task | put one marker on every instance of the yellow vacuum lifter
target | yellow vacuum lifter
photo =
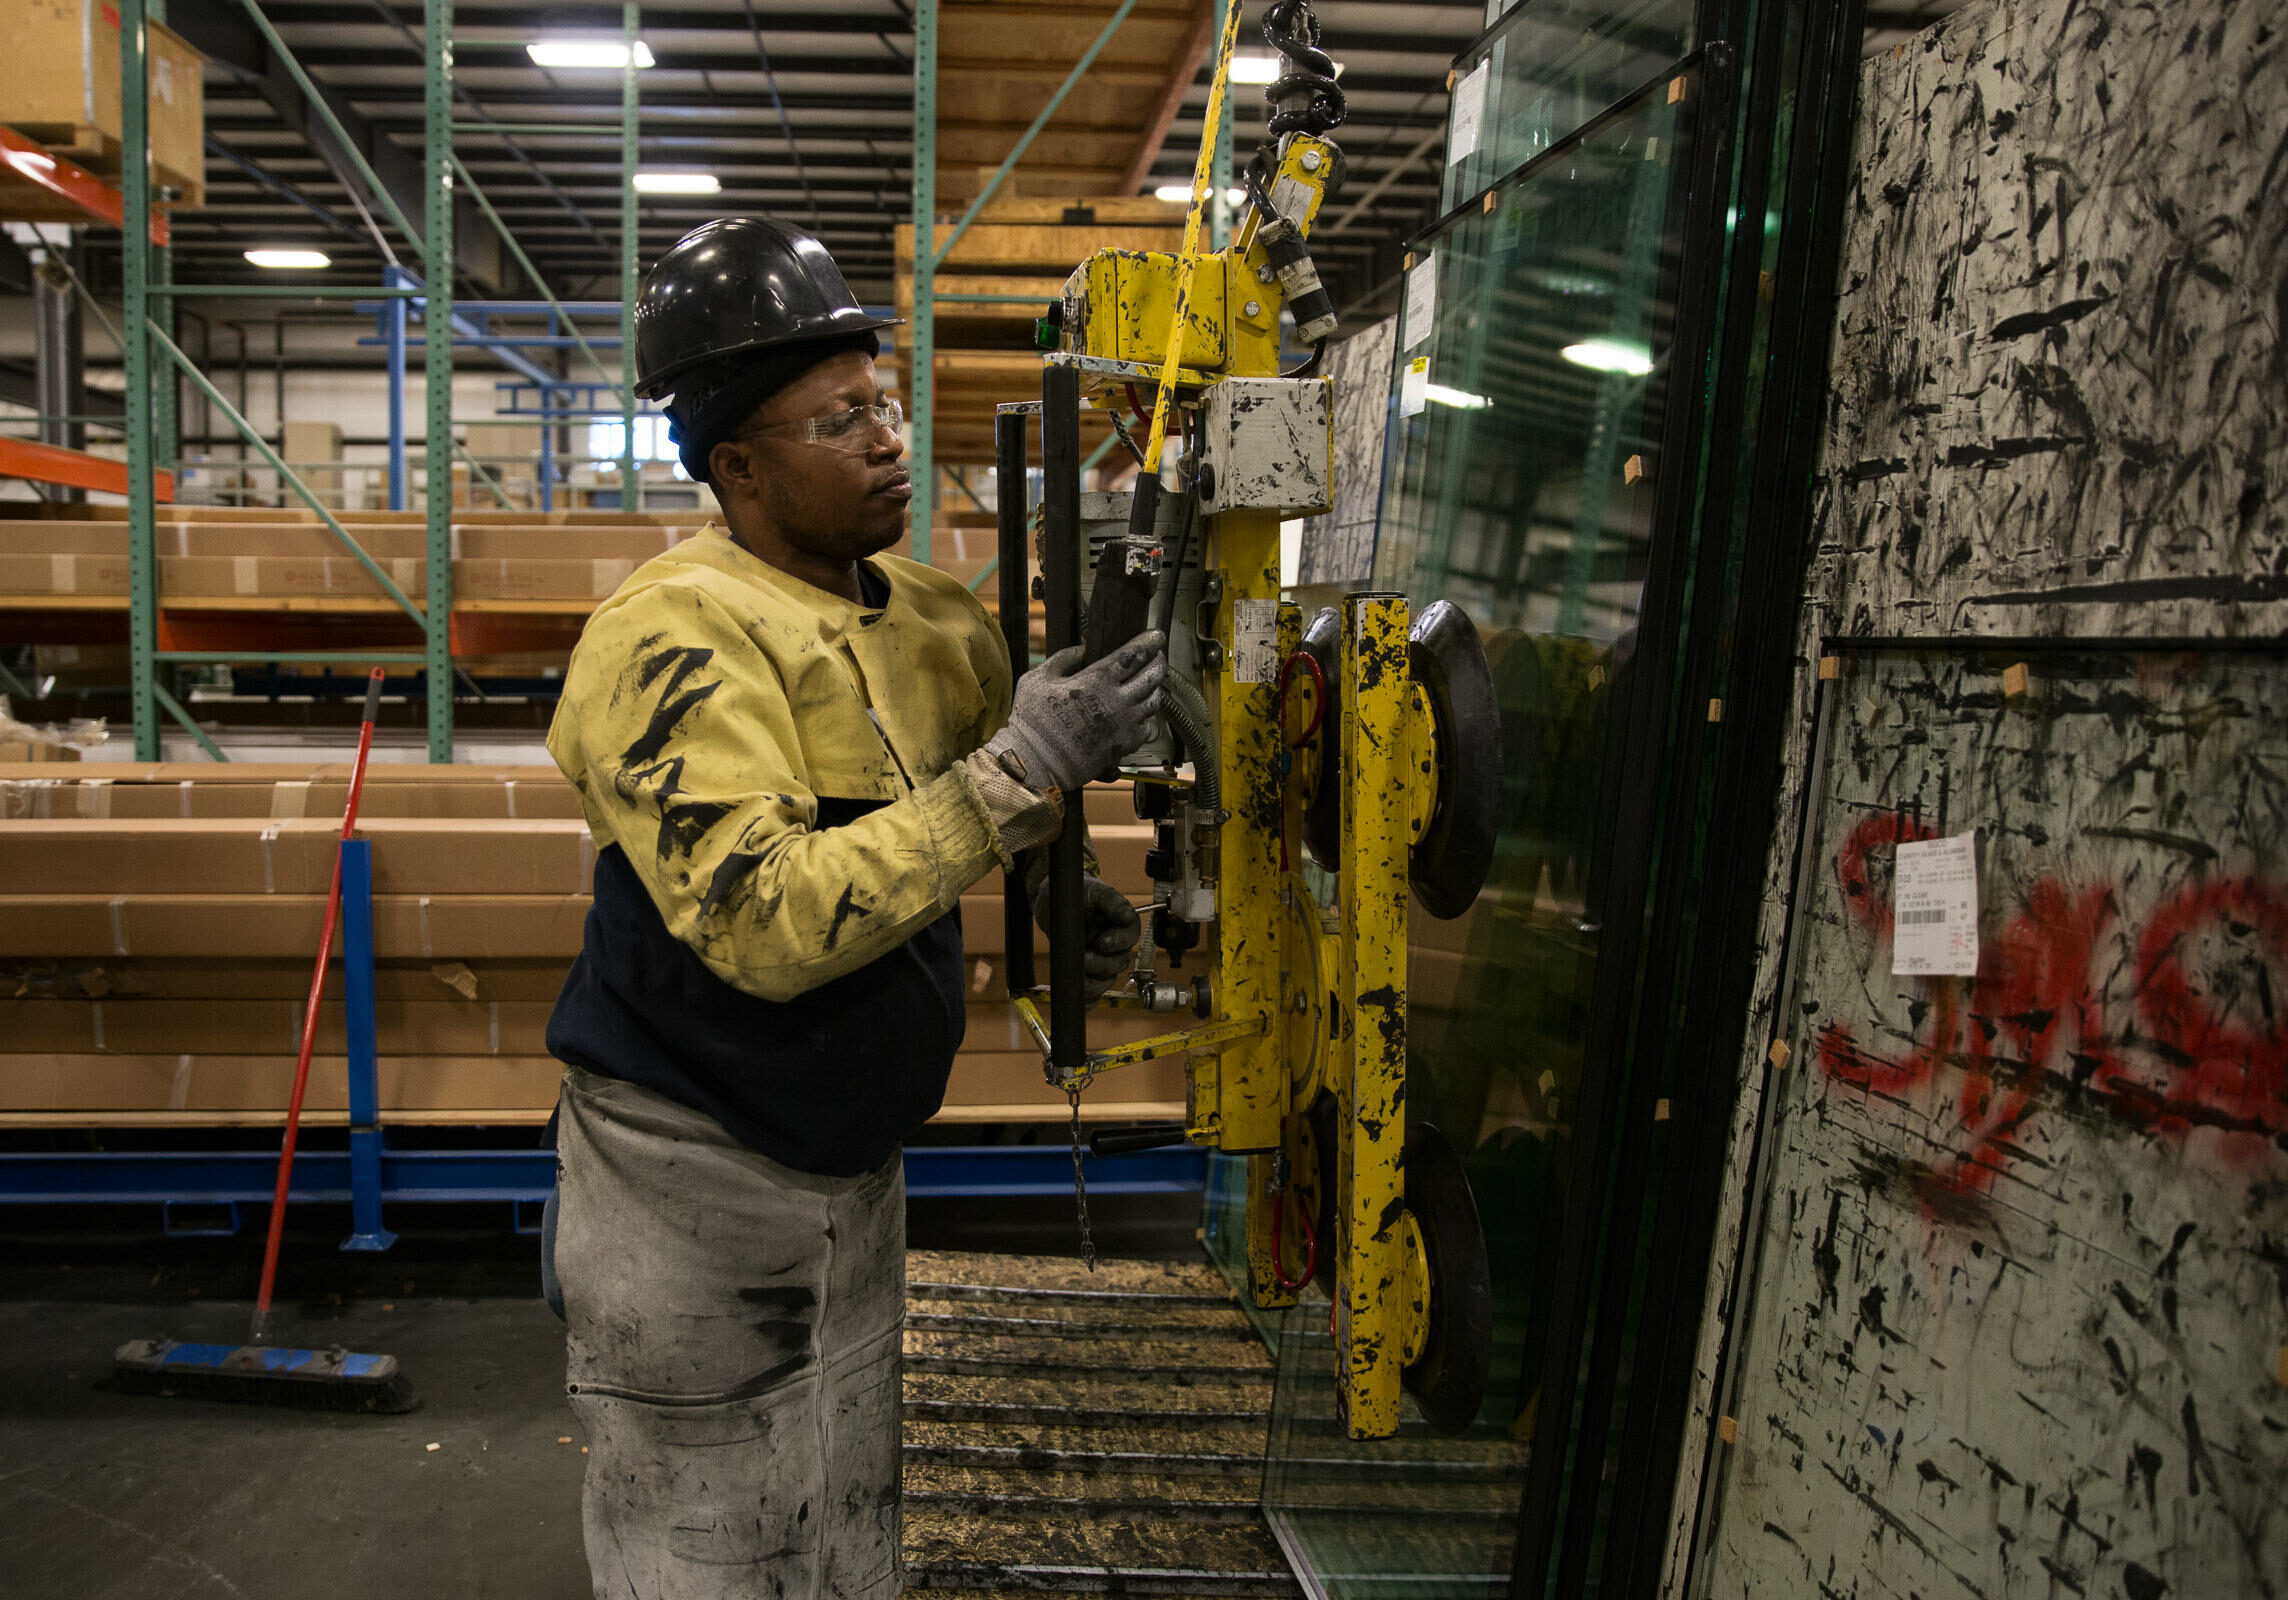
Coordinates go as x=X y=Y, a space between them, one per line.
x=1371 y=736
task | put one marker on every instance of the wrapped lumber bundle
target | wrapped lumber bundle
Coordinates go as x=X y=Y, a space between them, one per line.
x=157 y=923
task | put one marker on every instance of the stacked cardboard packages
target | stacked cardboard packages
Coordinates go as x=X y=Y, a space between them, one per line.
x=157 y=924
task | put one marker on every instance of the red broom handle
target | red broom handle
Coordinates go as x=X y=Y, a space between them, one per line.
x=310 y=1011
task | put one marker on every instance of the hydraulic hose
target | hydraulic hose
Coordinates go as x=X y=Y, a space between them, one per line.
x=1181 y=699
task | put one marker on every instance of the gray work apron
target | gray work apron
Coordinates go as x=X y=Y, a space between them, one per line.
x=734 y=1344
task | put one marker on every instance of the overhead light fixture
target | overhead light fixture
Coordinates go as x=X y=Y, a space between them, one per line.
x=290 y=258
x=1180 y=194
x=1254 y=69
x=601 y=54
x=678 y=183
x=1610 y=355
x=1459 y=399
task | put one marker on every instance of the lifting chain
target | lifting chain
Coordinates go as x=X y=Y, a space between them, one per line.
x=1080 y=1183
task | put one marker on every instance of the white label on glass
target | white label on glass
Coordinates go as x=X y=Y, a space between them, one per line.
x=1254 y=641
x=1934 y=918
x=1469 y=112
x=1414 y=387
x=1421 y=302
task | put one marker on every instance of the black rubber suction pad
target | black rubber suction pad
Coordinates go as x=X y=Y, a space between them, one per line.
x=1323 y=817
x=1456 y=851
x=1448 y=1380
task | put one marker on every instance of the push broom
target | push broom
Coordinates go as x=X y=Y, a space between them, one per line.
x=326 y=1380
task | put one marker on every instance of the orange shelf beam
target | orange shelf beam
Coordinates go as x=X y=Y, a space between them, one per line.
x=37 y=185
x=52 y=463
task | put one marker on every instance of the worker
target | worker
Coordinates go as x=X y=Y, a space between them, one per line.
x=794 y=752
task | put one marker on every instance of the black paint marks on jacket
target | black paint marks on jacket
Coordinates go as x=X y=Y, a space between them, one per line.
x=676 y=665
x=682 y=823
x=844 y=909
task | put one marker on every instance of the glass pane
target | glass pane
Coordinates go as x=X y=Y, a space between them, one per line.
x=2104 y=1060
x=1552 y=66
x=1528 y=409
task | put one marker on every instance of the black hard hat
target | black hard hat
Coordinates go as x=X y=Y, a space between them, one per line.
x=735 y=286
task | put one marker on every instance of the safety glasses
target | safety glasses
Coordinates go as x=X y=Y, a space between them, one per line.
x=851 y=430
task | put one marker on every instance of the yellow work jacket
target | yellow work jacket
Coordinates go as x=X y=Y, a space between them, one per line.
x=784 y=827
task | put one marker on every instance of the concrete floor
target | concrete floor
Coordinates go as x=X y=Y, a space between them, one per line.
x=106 y=1496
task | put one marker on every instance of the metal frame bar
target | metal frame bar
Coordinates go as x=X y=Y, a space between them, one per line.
x=174 y=708
x=921 y=340
x=437 y=369
x=631 y=480
x=135 y=364
x=366 y=1230
x=243 y=1177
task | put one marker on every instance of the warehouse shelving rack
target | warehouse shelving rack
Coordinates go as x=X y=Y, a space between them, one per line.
x=921 y=375
x=149 y=296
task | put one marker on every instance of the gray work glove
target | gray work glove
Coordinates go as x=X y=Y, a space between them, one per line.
x=1070 y=723
x=1110 y=930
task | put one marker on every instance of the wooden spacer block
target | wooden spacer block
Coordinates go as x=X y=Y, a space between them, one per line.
x=1548 y=1084
x=2014 y=678
x=1830 y=668
x=1676 y=88
x=1660 y=1110
x=1453 y=75
x=1409 y=261
x=1492 y=200
x=1727 y=1430
x=1778 y=1054
x=1715 y=711
x=1632 y=469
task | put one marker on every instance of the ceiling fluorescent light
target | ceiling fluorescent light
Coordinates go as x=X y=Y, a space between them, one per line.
x=678 y=183
x=1180 y=194
x=1254 y=69
x=608 y=54
x=1458 y=399
x=290 y=258
x=1610 y=355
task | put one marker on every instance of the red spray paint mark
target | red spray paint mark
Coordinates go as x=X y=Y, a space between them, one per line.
x=2034 y=1015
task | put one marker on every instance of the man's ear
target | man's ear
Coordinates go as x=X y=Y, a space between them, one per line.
x=731 y=468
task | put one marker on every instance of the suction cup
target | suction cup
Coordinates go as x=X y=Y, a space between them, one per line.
x=1448 y=1380
x=1323 y=817
x=1456 y=851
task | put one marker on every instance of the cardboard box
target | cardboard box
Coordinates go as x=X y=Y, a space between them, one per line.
x=467 y=927
x=253 y=1027
x=93 y=798
x=252 y=855
x=256 y=1087
x=248 y=978
x=59 y=84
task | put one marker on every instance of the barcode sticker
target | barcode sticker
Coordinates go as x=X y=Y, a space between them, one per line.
x=1421 y=302
x=1934 y=926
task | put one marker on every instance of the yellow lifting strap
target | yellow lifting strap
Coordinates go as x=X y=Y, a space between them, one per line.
x=1202 y=168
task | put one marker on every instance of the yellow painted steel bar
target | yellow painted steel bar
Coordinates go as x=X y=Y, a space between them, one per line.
x=1379 y=1304
x=1202 y=171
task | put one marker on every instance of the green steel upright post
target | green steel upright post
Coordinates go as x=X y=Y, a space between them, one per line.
x=167 y=385
x=1220 y=164
x=631 y=483
x=135 y=355
x=437 y=371
x=921 y=341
